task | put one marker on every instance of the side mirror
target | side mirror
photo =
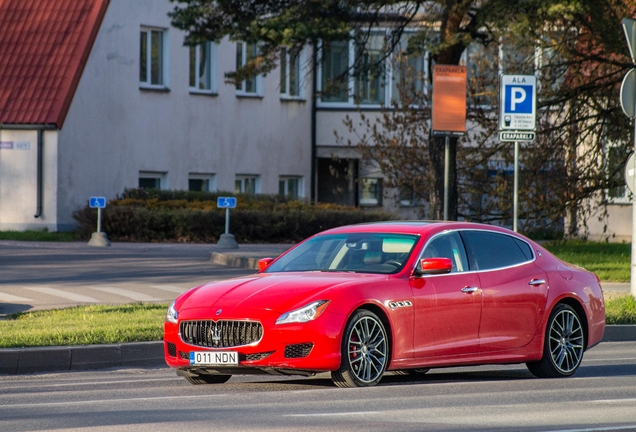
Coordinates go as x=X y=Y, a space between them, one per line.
x=265 y=262
x=434 y=266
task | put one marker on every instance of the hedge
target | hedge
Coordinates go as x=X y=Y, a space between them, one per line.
x=182 y=216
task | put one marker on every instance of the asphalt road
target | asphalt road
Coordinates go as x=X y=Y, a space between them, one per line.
x=600 y=397
x=40 y=275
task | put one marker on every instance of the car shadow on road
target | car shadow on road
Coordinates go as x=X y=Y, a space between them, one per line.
x=13 y=308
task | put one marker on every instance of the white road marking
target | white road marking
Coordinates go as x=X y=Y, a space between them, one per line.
x=125 y=293
x=170 y=288
x=8 y=298
x=333 y=414
x=64 y=294
x=102 y=401
x=596 y=429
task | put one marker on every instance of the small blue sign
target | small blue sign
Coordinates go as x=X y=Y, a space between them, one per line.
x=97 y=202
x=226 y=202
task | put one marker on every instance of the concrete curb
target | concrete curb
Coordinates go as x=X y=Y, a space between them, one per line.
x=87 y=357
x=80 y=357
x=234 y=260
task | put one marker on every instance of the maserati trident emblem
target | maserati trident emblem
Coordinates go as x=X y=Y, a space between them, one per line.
x=219 y=311
x=215 y=335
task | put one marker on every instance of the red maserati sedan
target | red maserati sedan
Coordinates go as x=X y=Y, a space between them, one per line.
x=361 y=300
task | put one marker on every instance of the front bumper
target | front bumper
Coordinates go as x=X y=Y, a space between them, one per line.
x=303 y=347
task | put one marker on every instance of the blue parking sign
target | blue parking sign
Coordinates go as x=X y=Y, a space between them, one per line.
x=97 y=202
x=226 y=202
x=518 y=102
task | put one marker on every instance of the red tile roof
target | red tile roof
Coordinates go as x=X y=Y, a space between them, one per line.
x=44 y=45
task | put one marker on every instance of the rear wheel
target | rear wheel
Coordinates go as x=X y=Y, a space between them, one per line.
x=563 y=346
x=207 y=379
x=365 y=351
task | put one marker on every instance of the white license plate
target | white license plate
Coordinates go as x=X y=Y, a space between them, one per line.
x=214 y=358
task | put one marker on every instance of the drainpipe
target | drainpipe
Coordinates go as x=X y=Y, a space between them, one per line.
x=314 y=96
x=39 y=179
x=40 y=128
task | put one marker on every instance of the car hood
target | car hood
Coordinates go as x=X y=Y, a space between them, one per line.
x=278 y=292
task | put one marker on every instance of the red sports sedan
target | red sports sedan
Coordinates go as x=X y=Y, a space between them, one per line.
x=396 y=296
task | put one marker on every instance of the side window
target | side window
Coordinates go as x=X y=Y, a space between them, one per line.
x=448 y=245
x=492 y=250
x=525 y=249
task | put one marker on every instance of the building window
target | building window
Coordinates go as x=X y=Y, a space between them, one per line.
x=247 y=184
x=406 y=196
x=408 y=75
x=290 y=77
x=616 y=160
x=359 y=72
x=244 y=53
x=202 y=68
x=291 y=187
x=370 y=192
x=152 y=70
x=202 y=182
x=335 y=72
x=153 y=180
x=369 y=71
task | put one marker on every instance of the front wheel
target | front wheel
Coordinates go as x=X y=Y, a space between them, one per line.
x=365 y=351
x=563 y=346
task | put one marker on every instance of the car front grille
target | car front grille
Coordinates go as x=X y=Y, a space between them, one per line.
x=184 y=355
x=298 y=350
x=258 y=356
x=220 y=334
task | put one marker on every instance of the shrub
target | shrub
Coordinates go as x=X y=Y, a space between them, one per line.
x=183 y=216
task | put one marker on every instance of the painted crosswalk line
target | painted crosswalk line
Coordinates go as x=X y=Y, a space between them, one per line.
x=8 y=298
x=170 y=288
x=65 y=294
x=125 y=293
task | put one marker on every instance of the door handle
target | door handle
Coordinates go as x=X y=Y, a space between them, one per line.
x=469 y=289
x=535 y=282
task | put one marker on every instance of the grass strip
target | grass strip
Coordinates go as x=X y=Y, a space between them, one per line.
x=610 y=261
x=84 y=325
x=620 y=310
x=44 y=236
x=139 y=322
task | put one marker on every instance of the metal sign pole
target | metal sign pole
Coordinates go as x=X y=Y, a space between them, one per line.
x=515 y=199
x=446 y=174
x=227 y=220
x=99 y=220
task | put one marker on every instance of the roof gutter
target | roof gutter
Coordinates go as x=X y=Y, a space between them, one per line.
x=40 y=158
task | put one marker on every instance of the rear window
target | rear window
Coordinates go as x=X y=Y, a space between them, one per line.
x=492 y=250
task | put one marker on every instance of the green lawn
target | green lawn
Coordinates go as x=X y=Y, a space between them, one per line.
x=610 y=261
x=85 y=325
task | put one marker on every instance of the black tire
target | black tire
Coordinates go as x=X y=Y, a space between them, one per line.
x=207 y=379
x=563 y=346
x=365 y=351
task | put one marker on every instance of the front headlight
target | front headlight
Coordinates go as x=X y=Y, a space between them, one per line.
x=304 y=314
x=172 y=315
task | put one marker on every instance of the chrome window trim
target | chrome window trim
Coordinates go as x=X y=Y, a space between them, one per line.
x=458 y=230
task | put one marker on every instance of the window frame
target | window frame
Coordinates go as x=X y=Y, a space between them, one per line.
x=208 y=179
x=285 y=179
x=379 y=192
x=160 y=176
x=163 y=62
x=211 y=49
x=258 y=79
x=626 y=198
x=286 y=75
x=243 y=178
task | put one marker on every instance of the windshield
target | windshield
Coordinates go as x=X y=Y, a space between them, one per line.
x=358 y=252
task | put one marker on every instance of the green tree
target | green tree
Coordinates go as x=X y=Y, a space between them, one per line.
x=580 y=63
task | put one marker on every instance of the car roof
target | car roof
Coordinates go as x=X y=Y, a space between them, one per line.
x=417 y=227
